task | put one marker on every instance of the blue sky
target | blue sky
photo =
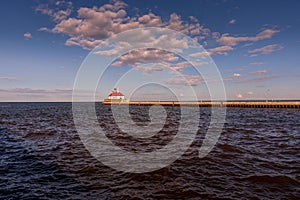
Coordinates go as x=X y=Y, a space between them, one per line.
x=254 y=44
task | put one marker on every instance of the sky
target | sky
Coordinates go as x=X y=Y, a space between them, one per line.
x=255 y=46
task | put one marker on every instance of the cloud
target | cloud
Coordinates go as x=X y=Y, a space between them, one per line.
x=58 y=11
x=215 y=35
x=250 y=93
x=180 y=66
x=257 y=63
x=192 y=80
x=259 y=79
x=160 y=66
x=145 y=56
x=232 y=41
x=27 y=35
x=221 y=50
x=193 y=19
x=267 y=49
x=232 y=21
x=239 y=96
x=44 y=29
x=91 y=25
x=36 y=91
x=144 y=38
x=237 y=75
x=150 y=68
x=35 y=94
x=261 y=72
x=8 y=79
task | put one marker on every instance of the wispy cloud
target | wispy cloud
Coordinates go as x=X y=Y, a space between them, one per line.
x=192 y=80
x=37 y=91
x=8 y=78
x=259 y=79
x=221 y=50
x=58 y=11
x=267 y=49
x=257 y=63
x=261 y=72
x=35 y=94
x=232 y=41
x=150 y=68
x=44 y=29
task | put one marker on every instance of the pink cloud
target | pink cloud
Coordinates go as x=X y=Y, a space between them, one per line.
x=232 y=41
x=267 y=49
x=259 y=79
x=145 y=56
x=37 y=91
x=237 y=75
x=261 y=72
x=180 y=66
x=59 y=11
x=239 y=96
x=215 y=35
x=222 y=50
x=192 y=80
x=44 y=29
x=148 y=69
x=8 y=79
x=92 y=25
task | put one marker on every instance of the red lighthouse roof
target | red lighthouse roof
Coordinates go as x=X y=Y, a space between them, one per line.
x=115 y=93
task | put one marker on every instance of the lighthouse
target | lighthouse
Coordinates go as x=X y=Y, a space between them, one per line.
x=116 y=95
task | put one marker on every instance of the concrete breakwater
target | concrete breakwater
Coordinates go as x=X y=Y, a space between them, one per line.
x=242 y=104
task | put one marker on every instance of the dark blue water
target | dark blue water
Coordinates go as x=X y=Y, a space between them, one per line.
x=42 y=156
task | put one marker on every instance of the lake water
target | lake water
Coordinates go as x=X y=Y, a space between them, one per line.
x=42 y=156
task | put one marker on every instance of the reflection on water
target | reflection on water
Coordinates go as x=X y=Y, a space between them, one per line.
x=257 y=156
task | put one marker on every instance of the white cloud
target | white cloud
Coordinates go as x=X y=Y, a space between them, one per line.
x=44 y=29
x=232 y=21
x=27 y=35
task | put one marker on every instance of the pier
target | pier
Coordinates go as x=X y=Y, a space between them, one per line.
x=241 y=104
